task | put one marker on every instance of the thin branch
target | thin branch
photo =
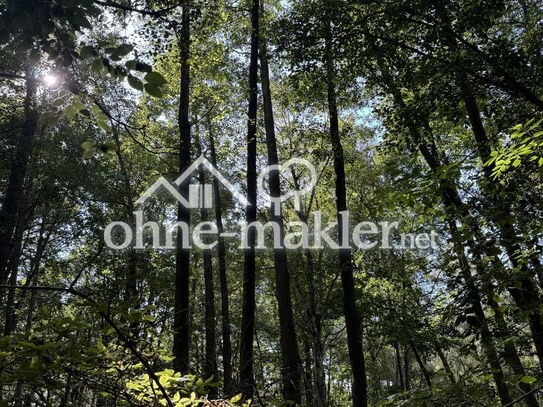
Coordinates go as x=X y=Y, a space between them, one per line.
x=87 y=264
x=523 y=396
x=9 y=75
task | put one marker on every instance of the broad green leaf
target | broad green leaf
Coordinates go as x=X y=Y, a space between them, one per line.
x=122 y=50
x=528 y=379
x=155 y=78
x=80 y=21
x=236 y=398
x=153 y=90
x=135 y=82
x=87 y=52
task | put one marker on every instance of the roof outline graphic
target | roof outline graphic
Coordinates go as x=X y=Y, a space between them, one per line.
x=201 y=160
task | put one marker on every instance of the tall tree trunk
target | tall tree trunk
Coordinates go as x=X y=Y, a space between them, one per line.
x=399 y=370
x=481 y=321
x=223 y=280
x=315 y=328
x=64 y=401
x=308 y=376
x=18 y=171
x=510 y=354
x=246 y=360
x=181 y=337
x=210 y=366
x=526 y=296
x=407 y=367
x=445 y=364
x=352 y=318
x=422 y=366
x=13 y=269
x=290 y=371
x=131 y=283
x=454 y=205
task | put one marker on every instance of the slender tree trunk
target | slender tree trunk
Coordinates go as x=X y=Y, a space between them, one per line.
x=526 y=296
x=246 y=360
x=308 y=376
x=422 y=366
x=19 y=169
x=480 y=319
x=131 y=284
x=445 y=364
x=289 y=345
x=181 y=337
x=210 y=366
x=223 y=280
x=315 y=328
x=453 y=204
x=64 y=401
x=352 y=318
x=13 y=268
x=510 y=354
x=399 y=370
x=407 y=367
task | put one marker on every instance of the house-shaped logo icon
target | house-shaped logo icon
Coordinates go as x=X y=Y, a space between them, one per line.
x=200 y=196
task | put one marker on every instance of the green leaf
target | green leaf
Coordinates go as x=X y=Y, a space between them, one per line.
x=528 y=379
x=143 y=67
x=122 y=50
x=97 y=66
x=155 y=78
x=100 y=345
x=135 y=82
x=87 y=52
x=153 y=90
x=70 y=112
x=80 y=21
x=131 y=65
x=101 y=122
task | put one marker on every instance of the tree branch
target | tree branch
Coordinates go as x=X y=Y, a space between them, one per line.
x=9 y=75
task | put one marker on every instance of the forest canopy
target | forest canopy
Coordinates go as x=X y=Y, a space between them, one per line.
x=313 y=203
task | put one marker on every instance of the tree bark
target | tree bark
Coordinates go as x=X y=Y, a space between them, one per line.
x=13 y=269
x=210 y=366
x=181 y=337
x=290 y=371
x=399 y=370
x=223 y=280
x=445 y=364
x=246 y=360
x=352 y=318
x=315 y=328
x=131 y=283
x=18 y=172
x=526 y=296
x=407 y=367
x=422 y=366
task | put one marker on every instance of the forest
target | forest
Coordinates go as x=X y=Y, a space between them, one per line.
x=312 y=203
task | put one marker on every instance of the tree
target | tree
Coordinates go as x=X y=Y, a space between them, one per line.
x=181 y=342
x=246 y=360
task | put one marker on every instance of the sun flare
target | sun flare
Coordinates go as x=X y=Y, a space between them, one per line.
x=50 y=80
